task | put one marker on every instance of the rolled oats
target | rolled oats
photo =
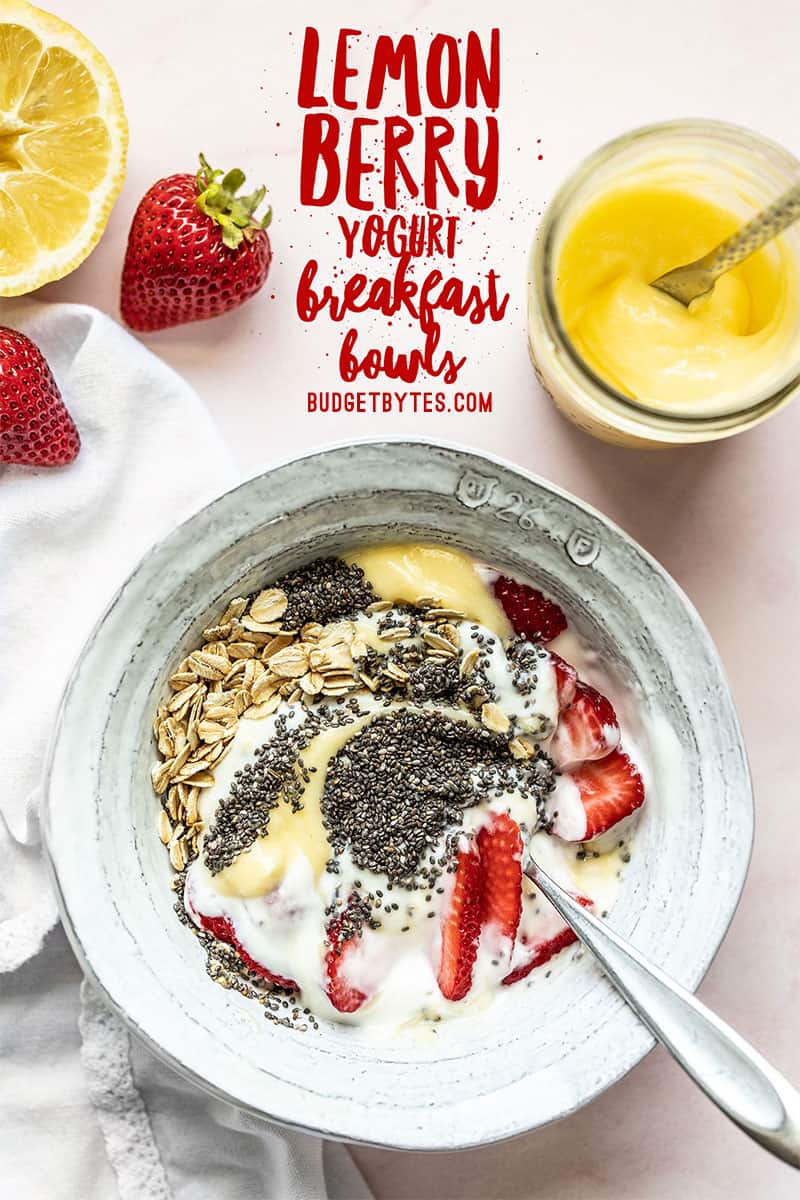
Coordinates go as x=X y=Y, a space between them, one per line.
x=208 y=665
x=269 y=605
x=493 y=717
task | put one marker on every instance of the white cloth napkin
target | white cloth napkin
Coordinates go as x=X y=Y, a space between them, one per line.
x=68 y=538
x=150 y=455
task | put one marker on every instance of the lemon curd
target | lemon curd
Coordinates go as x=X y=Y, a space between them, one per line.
x=624 y=361
x=644 y=343
x=405 y=573
x=291 y=834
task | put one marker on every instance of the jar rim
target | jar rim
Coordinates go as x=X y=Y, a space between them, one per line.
x=601 y=391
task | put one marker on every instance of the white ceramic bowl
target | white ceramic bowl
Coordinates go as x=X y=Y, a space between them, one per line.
x=538 y=1052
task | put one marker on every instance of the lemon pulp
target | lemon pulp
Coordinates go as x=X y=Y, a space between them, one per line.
x=63 y=140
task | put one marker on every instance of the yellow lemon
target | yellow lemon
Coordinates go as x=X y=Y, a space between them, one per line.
x=63 y=140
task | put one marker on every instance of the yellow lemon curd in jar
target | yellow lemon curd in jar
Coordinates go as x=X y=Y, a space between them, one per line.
x=718 y=355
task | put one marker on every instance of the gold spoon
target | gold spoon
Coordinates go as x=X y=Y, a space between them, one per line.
x=698 y=278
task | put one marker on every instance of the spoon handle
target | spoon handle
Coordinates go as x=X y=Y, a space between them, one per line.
x=764 y=226
x=731 y=1073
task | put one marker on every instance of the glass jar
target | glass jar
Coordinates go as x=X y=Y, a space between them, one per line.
x=740 y=172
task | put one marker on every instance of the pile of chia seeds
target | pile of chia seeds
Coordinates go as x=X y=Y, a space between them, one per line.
x=404 y=780
x=328 y=589
x=434 y=679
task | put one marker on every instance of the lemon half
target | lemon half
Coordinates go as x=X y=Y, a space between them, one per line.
x=63 y=140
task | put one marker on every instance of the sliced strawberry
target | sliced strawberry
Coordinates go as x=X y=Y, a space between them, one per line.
x=461 y=927
x=500 y=849
x=222 y=929
x=587 y=729
x=566 y=680
x=343 y=995
x=541 y=952
x=530 y=612
x=589 y=800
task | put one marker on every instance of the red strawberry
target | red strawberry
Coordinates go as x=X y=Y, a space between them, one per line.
x=342 y=995
x=589 y=800
x=530 y=612
x=487 y=893
x=222 y=929
x=587 y=729
x=195 y=250
x=500 y=849
x=566 y=679
x=542 y=952
x=35 y=428
x=462 y=927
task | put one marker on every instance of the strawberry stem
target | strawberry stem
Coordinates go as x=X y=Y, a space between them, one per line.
x=217 y=197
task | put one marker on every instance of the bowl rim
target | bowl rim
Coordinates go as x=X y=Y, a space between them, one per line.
x=628 y=1061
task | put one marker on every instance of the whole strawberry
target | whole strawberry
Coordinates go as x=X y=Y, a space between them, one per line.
x=195 y=249
x=35 y=428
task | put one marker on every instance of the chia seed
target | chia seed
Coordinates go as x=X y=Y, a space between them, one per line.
x=435 y=680
x=328 y=589
x=404 y=780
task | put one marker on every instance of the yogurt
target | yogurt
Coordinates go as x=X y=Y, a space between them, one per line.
x=283 y=895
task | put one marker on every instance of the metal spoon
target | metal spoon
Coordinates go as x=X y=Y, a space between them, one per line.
x=698 y=278
x=730 y=1072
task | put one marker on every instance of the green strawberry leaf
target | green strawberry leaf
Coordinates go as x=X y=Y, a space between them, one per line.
x=217 y=198
x=233 y=181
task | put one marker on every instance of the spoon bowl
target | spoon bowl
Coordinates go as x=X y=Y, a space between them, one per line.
x=698 y=278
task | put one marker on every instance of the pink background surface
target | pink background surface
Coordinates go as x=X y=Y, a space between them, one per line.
x=722 y=518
